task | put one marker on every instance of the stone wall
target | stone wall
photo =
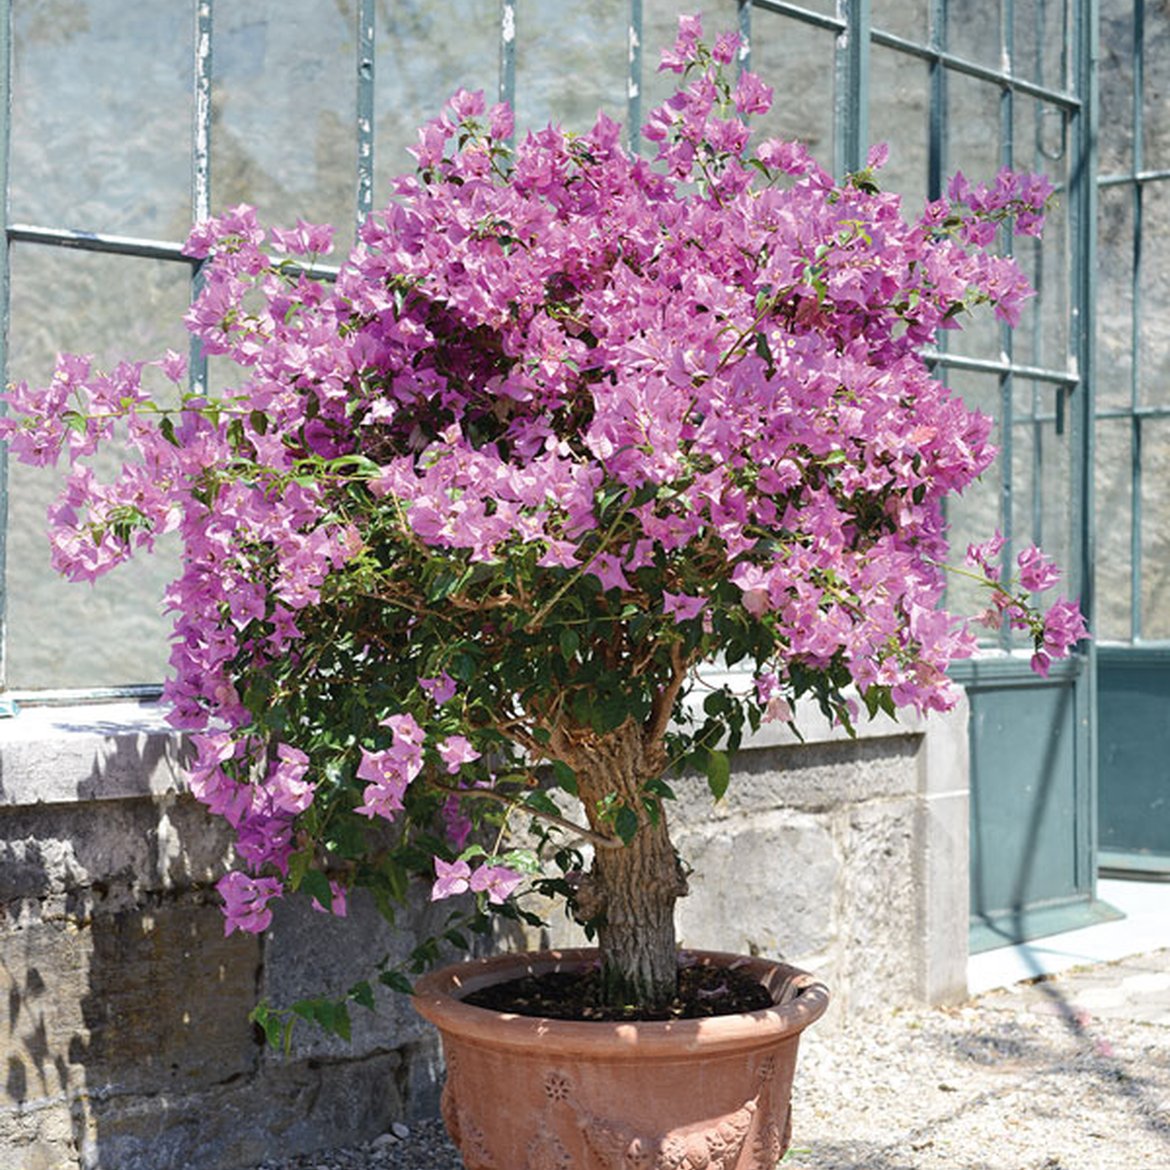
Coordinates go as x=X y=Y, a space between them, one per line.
x=126 y=1044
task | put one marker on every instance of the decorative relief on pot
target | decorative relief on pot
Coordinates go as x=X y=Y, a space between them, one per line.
x=618 y=1145
x=461 y=1124
x=716 y=1147
x=772 y=1141
x=547 y=1152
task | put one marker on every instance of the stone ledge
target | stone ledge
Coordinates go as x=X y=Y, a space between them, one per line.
x=114 y=750
x=88 y=752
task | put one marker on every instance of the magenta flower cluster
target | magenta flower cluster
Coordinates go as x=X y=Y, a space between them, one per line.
x=568 y=421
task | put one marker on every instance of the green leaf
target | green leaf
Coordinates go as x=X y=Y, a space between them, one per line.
x=336 y=1019
x=718 y=772
x=569 y=641
x=541 y=802
x=396 y=981
x=298 y=867
x=715 y=703
x=316 y=885
x=269 y=1022
x=362 y=993
x=565 y=777
x=625 y=824
x=659 y=787
x=522 y=860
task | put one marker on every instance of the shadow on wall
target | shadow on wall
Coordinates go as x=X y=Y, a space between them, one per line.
x=126 y=1042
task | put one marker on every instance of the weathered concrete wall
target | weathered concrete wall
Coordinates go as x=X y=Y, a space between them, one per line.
x=126 y=1044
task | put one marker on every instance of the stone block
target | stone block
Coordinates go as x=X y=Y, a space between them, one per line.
x=70 y=860
x=760 y=884
x=309 y=954
x=811 y=777
x=876 y=960
x=102 y=751
x=289 y=1106
x=941 y=863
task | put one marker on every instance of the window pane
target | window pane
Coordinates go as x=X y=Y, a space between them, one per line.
x=1154 y=290
x=1116 y=85
x=975 y=515
x=973 y=146
x=904 y=18
x=101 y=116
x=1041 y=36
x=973 y=32
x=571 y=61
x=1115 y=290
x=797 y=60
x=1114 y=566
x=1156 y=93
x=424 y=53
x=1042 y=337
x=1041 y=472
x=660 y=28
x=898 y=115
x=284 y=111
x=1155 y=530
x=74 y=635
x=823 y=7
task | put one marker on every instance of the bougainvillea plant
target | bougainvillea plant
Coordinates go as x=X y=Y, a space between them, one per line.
x=567 y=424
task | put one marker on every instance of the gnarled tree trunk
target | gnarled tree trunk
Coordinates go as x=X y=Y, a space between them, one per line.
x=630 y=891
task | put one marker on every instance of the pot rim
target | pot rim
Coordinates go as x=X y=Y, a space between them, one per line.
x=801 y=1000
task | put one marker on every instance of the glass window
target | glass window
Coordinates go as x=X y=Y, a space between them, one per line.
x=62 y=634
x=284 y=110
x=101 y=116
x=104 y=141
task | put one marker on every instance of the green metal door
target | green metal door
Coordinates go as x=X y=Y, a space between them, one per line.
x=1133 y=441
x=1030 y=66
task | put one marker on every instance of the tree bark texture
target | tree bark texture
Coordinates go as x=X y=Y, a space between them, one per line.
x=630 y=891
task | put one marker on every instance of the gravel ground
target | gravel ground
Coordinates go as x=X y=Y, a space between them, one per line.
x=1025 y=1079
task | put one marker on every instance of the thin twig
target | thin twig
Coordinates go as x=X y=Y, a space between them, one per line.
x=569 y=826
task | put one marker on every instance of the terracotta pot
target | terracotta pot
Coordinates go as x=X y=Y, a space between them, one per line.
x=537 y=1094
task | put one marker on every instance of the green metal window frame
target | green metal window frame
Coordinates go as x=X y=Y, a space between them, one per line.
x=1134 y=671
x=853 y=33
x=1137 y=180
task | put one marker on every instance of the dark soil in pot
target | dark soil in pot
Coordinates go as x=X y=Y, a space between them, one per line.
x=576 y=995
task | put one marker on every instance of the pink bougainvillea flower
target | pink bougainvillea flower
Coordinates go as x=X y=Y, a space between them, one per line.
x=452 y=878
x=456 y=750
x=440 y=689
x=456 y=823
x=497 y=881
x=1037 y=571
x=246 y=901
x=389 y=772
x=682 y=606
x=290 y=792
